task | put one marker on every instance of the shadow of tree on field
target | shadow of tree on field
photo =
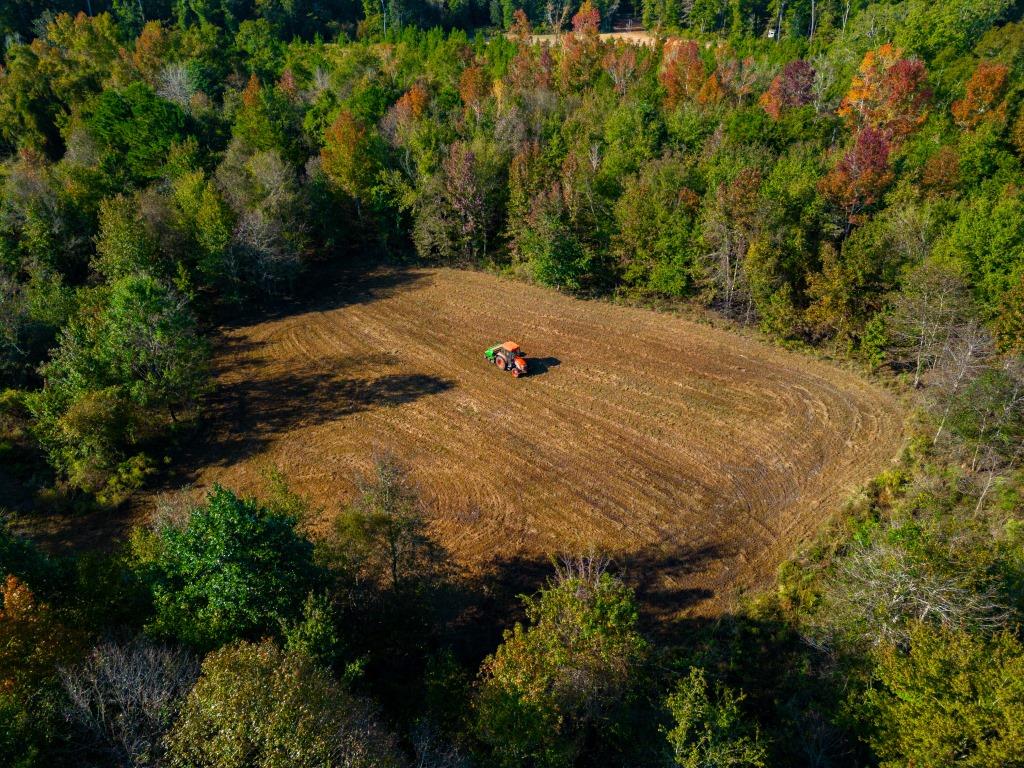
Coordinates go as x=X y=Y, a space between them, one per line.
x=660 y=574
x=333 y=288
x=244 y=416
x=489 y=603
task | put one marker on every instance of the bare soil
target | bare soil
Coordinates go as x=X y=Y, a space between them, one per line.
x=697 y=457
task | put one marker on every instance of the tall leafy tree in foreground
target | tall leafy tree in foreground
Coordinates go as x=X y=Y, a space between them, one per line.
x=553 y=685
x=951 y=698
x=256 y=706
x=709 y=728
x=128 y=367
x=234 y=570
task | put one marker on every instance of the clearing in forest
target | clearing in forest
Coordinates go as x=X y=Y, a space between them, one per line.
x=698 y=457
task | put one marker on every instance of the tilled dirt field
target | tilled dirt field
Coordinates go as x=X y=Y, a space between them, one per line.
x=698 y=457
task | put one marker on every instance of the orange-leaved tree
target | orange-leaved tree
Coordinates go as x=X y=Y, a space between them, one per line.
x=682 y=71
x=473 y=88
x=888 y=94
x=983 y=101
x=349 y=157
x=521 y=29
x=412 y=104
x=33 y=642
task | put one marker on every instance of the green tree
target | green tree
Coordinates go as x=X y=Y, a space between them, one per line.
x=706 y=15
x=234 y=570
x=264 y=50
x=950 y=698
x=208 y=222
x=383 y=536
x=930 y=30
x=123 y=246
x=256 y=706
x=269 y=120
x=134 y=129
x=128 y=367
x=710 y=731
x=546 y=243
x=662 y=13
x=655 y=221
x=988 y=240
x=558 y=682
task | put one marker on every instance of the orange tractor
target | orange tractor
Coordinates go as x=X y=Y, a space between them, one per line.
x=508 y=357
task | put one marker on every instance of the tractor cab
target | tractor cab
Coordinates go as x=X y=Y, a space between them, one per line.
x=508 y=357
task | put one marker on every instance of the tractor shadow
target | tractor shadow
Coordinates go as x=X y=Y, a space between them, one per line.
x=538 y=366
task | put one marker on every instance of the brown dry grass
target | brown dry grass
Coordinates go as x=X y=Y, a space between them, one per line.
x=699 y=457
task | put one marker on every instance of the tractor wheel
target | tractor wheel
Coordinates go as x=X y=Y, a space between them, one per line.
x=499 y=362
x=516 y=372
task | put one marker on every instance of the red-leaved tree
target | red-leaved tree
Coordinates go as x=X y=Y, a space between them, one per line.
x=587 y=19
x=860 y=177
x=941 y=172
x=792 y=87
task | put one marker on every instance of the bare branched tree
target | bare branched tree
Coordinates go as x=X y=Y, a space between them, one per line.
x=432 y=751
x=967 y=351
x=933 y=303
x=125 y=697
x=321 y=80
x=731 y=225
x=175 y=85
x=824 y=79
x=261 y=253
x=586 y=568
x=557 y=13
x=880 y=589
x=82 y=148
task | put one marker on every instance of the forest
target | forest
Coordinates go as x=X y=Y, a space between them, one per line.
x=844 y=178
